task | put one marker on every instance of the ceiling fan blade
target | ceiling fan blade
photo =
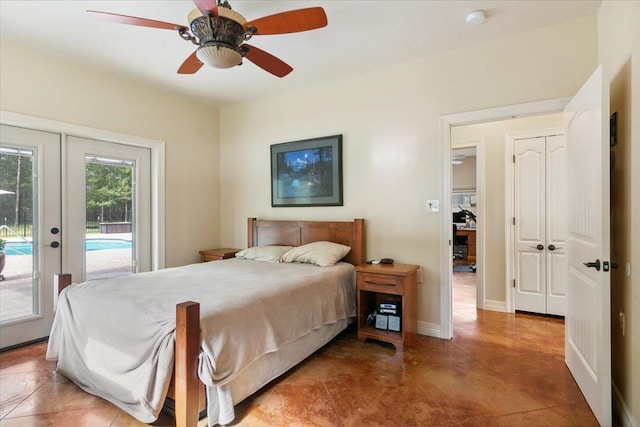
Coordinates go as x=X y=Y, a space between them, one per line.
x=209 y=7
x=132 y=20
x=190 y=65
x=292 y=21
x=266 y=61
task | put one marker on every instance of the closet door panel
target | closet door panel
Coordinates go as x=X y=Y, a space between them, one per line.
x=530 y=265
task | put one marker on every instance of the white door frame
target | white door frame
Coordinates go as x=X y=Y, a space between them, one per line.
x=157 y=148
x=478 y=144
x=459 y=119
x=509 y=208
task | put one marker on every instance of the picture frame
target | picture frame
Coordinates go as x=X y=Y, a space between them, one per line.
x=307 y=172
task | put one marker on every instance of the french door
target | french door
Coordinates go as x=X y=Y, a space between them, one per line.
x=108 y=190
x=71 y=205
x=30 y=213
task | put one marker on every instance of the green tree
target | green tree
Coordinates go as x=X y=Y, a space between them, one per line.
x=16 y=176
x=109 y=191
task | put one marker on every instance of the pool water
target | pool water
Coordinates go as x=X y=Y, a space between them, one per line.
x=23 y=248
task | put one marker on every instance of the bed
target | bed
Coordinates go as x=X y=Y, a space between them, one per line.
x=230 y=351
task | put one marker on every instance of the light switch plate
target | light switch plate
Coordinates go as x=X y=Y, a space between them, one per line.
x=433 y=205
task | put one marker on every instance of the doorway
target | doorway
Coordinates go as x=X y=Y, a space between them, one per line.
x=454 y=128
x=45 y=231
x=467 y=172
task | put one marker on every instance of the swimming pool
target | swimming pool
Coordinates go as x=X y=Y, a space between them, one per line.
x=24 y=248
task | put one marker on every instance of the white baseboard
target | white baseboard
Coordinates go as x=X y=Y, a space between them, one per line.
x=428 y=329
x=495 y=305
x=621 y=408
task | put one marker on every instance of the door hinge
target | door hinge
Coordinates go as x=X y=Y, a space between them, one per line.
x=514 y=220
x=514 y=283
x=36 y=275
x=514 y=158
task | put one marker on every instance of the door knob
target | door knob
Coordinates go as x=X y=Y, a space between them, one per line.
x=606 y=265
x=595 y=264
x=55 y=230
x=553 y=247
x=539 y=247
x=54 y=244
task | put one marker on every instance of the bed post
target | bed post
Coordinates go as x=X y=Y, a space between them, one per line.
x=186 y=364
x=61 y=281
x=359 y=236
x=251 y=237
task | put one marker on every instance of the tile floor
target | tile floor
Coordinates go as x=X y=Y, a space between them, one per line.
x=499 y=370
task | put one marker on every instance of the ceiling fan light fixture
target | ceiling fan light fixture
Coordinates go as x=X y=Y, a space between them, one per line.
x=218 y=56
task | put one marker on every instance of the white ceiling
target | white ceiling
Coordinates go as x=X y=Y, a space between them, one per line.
x=361 y=36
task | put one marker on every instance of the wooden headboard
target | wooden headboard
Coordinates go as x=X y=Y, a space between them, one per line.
x=296 y=233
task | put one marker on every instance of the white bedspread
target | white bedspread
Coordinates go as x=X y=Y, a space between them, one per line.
x=115 y=337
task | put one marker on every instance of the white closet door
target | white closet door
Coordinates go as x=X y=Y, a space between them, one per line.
x=556 y=224
x=541 y=224
x=530 y=206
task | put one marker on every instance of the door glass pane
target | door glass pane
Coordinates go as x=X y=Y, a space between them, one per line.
x=18 y=209
x=109 y=245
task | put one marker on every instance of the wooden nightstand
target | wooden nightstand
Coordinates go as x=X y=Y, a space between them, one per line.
x=382 y=283
x=217 y=254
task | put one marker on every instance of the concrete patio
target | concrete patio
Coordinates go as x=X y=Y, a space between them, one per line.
x=16 y=289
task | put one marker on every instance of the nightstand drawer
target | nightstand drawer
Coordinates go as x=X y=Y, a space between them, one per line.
x=385 y=283
x=217 y=254
x=209 y=257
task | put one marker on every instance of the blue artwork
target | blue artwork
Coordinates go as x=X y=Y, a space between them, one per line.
x=306 y=173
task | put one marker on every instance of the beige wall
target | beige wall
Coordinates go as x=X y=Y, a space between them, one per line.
x=619 y=53
x=463 y=176
x=390 y=121
x=41 y=85
x=492 y=135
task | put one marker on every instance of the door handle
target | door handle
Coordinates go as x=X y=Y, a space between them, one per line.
x=54 y=244
x=595 y=264
x=606 y=265
x=539 y=247
x=553 y=247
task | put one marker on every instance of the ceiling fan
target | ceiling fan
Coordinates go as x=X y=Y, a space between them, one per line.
x=220 y=34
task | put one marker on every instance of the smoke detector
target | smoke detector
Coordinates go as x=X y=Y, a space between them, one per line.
x=476 y=17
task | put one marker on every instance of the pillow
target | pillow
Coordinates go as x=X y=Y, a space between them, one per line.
x=324 y=254
x=263 y=253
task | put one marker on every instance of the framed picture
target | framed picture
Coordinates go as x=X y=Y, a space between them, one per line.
x=307 y=173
